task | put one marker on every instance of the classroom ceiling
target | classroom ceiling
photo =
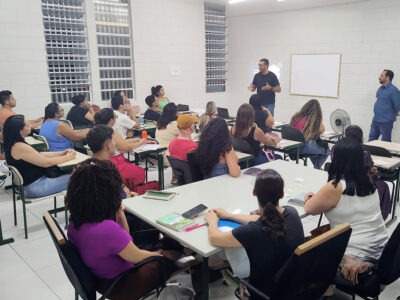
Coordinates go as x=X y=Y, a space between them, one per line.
x=249 y=7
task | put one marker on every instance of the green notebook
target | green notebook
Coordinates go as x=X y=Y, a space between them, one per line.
x=175 y=221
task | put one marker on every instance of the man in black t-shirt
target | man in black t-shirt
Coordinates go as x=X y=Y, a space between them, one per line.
x=267 y=84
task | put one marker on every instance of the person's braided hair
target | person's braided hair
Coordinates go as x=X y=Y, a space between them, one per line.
x=94 y=192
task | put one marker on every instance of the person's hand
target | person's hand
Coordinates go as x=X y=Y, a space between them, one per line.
x=275 y=140
x=71 y=154
x=221 y=213
x=211 y=217
x=263 y=108
x=308 y=196
x=150 y=141
x=266 y=87
x=250 y=88
x=134 y=194
x=39 y=119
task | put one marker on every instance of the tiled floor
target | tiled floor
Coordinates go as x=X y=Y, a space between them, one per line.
x=31 y=268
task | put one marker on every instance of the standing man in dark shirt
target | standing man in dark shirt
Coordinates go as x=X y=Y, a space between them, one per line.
x=386 y=107
x=267 y=84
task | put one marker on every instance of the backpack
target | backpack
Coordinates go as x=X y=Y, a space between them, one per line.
x=178 y=287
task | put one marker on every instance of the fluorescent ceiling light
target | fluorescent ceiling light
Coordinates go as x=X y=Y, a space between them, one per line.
x=235 y=1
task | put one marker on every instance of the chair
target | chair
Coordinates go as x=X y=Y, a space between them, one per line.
x=67 y=122
x=197 y=174
x=77 y=272
x=43 y=140
x=291 y=133
x=181 y=169
x=311 y=268
x=19 y=192
x=182 y=107
x=373 y=283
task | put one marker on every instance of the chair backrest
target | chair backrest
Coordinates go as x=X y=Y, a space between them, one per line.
x=389 y=263
x=291 y=133
x=242 y=145
x=17 y=178
x=312 y=267
x=181 y=169
x=197 y=174
x=182 y=107
x=67 y=122
x=77 y=272
x=327 y=166
x=378 y=151
x=43 y=140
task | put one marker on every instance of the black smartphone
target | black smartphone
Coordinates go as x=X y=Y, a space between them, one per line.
x=195 y=211
x=252 y=171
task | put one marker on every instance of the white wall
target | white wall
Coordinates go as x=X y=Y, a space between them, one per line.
x=366 y=33
x=23 y=67
x=165 y=33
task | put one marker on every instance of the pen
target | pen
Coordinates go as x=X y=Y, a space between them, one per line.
x=194 y=227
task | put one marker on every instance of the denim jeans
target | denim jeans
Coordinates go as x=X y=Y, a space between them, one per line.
x=271 y=108
x=321 y=153
x=381 y=129
x=46 y=186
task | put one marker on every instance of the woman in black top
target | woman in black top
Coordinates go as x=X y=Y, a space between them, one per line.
x=152 y=113
x=245 y=129
x=30 y=163
x=263 y=117
x=269 y=238
x=81 y=115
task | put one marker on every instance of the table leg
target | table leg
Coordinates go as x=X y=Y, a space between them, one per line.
x=2 y=240
x=204 y=278
x=395 y=197
x=160 y=159
x=297 y=155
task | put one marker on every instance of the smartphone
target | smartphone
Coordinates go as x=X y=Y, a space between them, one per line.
x=252 y=171
x=195 y=211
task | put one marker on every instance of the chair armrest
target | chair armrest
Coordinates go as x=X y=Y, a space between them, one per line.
x=159 y=259
x=252 y=288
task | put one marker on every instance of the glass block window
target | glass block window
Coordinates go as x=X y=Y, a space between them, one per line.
x=67 y=49
x=114 y=44
x=215 y=29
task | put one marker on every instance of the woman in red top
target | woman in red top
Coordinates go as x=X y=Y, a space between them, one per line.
x=309 y=121
x=181 y=145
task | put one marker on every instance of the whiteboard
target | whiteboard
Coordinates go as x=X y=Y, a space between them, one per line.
x=315 y=75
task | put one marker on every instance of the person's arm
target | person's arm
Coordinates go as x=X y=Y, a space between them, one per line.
x=74 y=135
x=36 y=123
x=132 y=116
x=276 y=89
x=242 y=219
x=324 y=200
x=216 y=237
x=30 y=155
x=57 y=153
x=121 y=218
x=131 y=253
x=89 y=116
x=269 y=121
x=126 y=145
x=396 y=101
x=251 y=87
x=321 y=128
x=266 y=140
x=231 y=160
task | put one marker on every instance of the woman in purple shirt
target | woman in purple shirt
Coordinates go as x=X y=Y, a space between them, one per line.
x=100 y=232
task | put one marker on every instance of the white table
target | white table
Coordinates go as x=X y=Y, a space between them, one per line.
x=80 y=157
x=287 y=145
x=393 y=148
x=278 y=126
x=331 y=136
x=233 y=194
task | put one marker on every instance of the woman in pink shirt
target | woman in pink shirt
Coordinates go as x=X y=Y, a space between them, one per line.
x=309 y=121
x=180 y=146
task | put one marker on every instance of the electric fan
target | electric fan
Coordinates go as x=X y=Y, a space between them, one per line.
x=340 y=120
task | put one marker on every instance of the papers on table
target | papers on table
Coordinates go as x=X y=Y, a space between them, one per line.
x=148 y=147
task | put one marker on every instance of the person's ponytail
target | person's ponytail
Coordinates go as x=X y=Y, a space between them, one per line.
x=272 y=222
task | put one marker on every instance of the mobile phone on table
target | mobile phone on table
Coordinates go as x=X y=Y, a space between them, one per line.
x=195 y=211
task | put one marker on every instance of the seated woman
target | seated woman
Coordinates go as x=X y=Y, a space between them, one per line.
x=58 y=134
x=81 y=115
x=350 y=196
x=262 y=116
x=100 y=232
x=309 y=121
x=129 y=172
x=167 y=128
x=152 y=113
x=215 y=153
x=183 y=143
x=159 y=93
x=31 y=163
x=245 y=129
x=269 y=238
x=211 y=113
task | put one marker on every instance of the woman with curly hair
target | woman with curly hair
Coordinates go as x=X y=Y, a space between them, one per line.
x=309 y=121
x=100 y=232
x=268 y=238
x=215 y=153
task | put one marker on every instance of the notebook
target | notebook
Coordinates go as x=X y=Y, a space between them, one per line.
x=298 y=200
x=175 y=221
x=227 y=225
x=159 y=195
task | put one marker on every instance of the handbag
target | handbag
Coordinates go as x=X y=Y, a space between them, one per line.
x=142 y=188
x=53 y=172
x=319 y=230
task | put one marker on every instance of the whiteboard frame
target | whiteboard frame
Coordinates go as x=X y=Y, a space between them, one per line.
x=307 y=95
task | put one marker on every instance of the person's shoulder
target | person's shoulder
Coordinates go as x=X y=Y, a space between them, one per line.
x=290 y=212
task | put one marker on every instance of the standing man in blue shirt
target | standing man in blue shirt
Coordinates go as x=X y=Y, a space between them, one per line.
x=386 y=107
x=267 y=84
